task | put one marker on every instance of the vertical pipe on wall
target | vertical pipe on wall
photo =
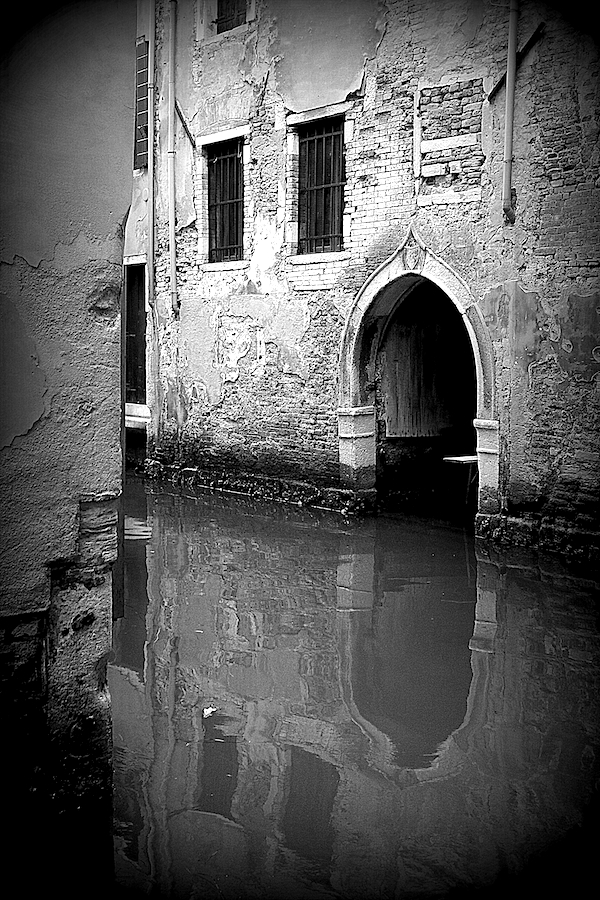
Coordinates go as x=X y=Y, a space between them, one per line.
x=151 y=211
x=511 y=69
x=171 y=158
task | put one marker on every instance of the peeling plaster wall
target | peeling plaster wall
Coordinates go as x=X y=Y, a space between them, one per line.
x=320 y=48
x=67 y=105
x=66 y=144
x=248 y=372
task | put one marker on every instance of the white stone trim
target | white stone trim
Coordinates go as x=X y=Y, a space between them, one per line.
x=488 y=459
x=305 y=259
x=430 y=170
x=227 y=266
x=455 y=140
x=219 y=137
x=357 y=441
x=137 y=415
x=320 y=112
x=450 y=196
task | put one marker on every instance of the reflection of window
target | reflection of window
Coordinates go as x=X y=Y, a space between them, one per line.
x=230 y=14
x=225 y=201
x=321 y=186
x=140 y=151
x=217 y=768
x=306 y=824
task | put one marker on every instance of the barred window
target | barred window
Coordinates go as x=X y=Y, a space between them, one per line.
x=225 y=201
x=230 y=14
x=140 y=146
x=321 y=184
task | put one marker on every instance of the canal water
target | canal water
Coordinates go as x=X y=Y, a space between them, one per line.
x=311 y=706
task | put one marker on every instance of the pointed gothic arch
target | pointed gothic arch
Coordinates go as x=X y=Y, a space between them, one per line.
x=411 y=265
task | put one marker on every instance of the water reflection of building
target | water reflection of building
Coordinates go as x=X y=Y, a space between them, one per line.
x=258 y=753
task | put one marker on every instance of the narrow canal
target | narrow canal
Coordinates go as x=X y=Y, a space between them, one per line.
x=307 y=706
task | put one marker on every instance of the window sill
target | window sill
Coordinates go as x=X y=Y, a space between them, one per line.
x=302 y=259
x=137 y=415
x=233 y=265
x=238 y=31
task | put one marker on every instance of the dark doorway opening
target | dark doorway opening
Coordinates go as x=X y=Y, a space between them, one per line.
x=135 y=364
x=135 y=334
x=426 y=403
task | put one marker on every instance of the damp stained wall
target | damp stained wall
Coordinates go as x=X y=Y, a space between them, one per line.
x=66 y=186
x=247 y=371
x=66 y=144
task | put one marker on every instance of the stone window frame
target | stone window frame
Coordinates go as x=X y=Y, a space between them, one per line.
x=225 y=200
x=241 y=132
x=137 y=415
x=294 y=122
x=206 y=29
x=321 y=187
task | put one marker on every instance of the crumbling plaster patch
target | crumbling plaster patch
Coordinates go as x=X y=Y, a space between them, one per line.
x=235 y=328
x=136 y=226
x=573 y=336
x=22 y=382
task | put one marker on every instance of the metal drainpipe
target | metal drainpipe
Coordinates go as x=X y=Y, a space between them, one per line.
x=151 y=213
x=171 y=158
x=511 y=69
x=153 y=388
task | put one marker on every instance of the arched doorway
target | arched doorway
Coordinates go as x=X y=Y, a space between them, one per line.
x=416 y=365
x=425 y=390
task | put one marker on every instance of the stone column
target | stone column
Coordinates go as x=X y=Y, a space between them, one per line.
x=487 y=459
x=356 y=430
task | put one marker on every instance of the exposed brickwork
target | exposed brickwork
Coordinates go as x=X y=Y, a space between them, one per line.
x=249 y=374
x=451 y=156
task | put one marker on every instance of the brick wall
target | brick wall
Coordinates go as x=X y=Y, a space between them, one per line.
x=252 y=366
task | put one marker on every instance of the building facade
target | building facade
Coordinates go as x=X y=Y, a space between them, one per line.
x=364 y=244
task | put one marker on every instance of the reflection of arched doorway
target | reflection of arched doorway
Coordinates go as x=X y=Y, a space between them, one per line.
x=404 y=645
x=412 y=269
x=425 y=402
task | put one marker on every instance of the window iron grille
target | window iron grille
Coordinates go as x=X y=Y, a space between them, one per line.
x=225 y=202
x=321 y=187
x=230 y=14
x=140 y=146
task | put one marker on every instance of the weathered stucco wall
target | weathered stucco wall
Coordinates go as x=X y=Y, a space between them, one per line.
x=67 y=94
x=247 y=373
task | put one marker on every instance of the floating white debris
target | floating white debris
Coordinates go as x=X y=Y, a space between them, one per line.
x=208 y=711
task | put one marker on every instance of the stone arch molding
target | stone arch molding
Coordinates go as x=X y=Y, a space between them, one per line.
x=411 y=263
